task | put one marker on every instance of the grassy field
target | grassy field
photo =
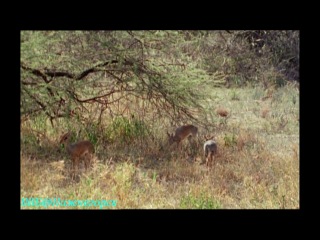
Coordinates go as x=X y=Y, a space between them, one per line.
x=257 y=165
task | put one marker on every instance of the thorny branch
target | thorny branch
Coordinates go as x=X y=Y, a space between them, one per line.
x=149 y=87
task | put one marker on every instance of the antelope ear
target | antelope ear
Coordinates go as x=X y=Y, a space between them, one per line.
x=64 y=136
x=61 y=139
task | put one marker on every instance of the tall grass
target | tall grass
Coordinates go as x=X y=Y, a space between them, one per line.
x=257 y=165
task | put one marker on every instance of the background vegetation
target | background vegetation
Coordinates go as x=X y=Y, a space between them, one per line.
x=123 y=90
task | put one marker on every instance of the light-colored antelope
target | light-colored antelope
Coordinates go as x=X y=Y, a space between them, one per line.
x=210 y=149
x=182 y=133
x=77 y=150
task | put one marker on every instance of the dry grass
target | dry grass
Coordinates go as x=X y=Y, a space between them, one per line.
x=265 y=112
x=257 y=165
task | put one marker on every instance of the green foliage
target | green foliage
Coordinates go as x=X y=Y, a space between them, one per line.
x=230 y=140
x=248 y=55
x=64 y=71
x=123 y=129
x=93 y=134
x=200 y=202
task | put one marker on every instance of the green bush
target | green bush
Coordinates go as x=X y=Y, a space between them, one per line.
x=124 y=129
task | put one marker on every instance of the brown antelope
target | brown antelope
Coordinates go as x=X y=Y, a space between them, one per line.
x=77 y=150
x=210 y=149
x=182 y=133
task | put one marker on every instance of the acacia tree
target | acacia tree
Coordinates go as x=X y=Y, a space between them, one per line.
x=62 y=73
x=167 y=72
